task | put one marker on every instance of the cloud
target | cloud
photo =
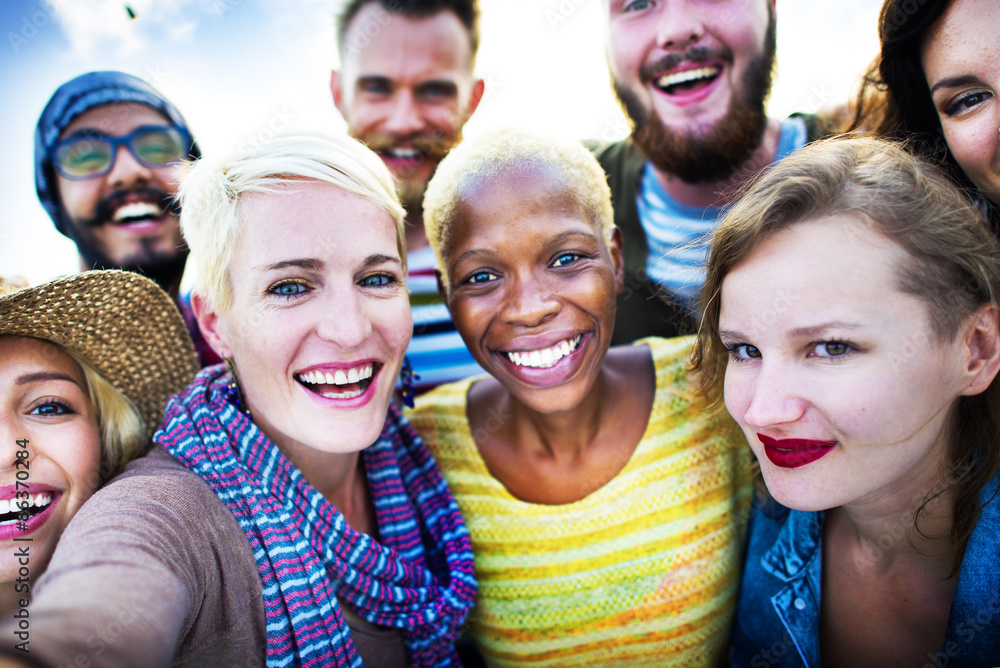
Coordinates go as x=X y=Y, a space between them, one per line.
x=92 y=25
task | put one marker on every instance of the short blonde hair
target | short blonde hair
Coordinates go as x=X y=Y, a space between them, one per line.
x=508 y=151
x=211 y=193
x=120 y=423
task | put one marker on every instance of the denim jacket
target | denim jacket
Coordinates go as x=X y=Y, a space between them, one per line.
x=777 y=621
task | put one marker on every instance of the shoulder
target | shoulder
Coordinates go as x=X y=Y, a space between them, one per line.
x=162 y=509
x=443 y=404
x=615 y=156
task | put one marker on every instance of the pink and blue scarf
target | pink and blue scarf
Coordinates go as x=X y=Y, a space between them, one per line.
x=418 y=579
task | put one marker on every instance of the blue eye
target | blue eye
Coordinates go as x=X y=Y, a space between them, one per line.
x=51 y=407
x=287 y=289
x=481 y=276
x=377 y=281
x=564 y=259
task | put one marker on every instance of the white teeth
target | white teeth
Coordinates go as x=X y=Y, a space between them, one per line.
x=15 y=504
x=136 y=210
x=547 y=357
x=687 y=75
x=404 y=153
x=342 y=395
x=338 y=376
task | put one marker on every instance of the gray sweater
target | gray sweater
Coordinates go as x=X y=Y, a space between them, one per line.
x=155 y=571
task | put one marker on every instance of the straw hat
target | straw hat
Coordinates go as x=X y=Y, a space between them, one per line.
x=120 y=322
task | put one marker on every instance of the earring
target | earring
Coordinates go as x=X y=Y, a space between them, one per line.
x=234 y=390
x=407 y=378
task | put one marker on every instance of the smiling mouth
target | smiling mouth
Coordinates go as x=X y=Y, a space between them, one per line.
x=11 y=509
x=545 y=358
x=688 y=80
x=136 y=212
x=341 y=383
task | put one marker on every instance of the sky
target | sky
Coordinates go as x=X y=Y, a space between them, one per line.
x=240 y=70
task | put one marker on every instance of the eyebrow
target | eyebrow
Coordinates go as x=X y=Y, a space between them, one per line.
x=474 y=253
x=311 y=263
x=373 y=260
x=798 y=332
x=97 y=133
x=44 y=376
x=953 y=82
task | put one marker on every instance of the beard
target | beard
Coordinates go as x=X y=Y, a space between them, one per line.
x=165 y=267
x=432 y=149
x=707 y=153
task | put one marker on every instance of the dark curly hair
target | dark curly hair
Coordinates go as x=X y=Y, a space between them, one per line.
x=894 y=100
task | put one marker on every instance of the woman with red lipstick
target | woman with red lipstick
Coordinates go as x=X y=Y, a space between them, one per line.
x=291 y=516
x=604 y=508
x=83 y=384
x=851 y=327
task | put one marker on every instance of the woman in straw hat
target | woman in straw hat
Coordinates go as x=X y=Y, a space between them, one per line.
x=297 y=520
x=88 y=363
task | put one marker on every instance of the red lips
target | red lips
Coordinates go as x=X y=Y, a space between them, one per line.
x=790 y=453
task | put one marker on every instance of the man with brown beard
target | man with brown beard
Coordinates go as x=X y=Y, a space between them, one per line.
x=693 y=77
x=406 y=87
x=108 y=148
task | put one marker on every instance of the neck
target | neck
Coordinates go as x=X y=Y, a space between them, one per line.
x=416 y=237
x=566 y=435
x=724 y=191
x=884 y=527
x=340 y=478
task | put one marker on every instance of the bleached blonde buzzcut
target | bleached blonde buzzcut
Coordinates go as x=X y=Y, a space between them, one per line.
x=212 y=192
x=509 y=151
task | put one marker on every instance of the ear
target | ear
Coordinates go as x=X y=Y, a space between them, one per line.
x=335 y=89
x=982 y=339
x=210 y=325
x=442 y=288
x=476 y=97
x=617 y=250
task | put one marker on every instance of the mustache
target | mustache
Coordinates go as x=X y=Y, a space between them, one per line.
x=107 y=206
x=696 y=54
x=434 y=146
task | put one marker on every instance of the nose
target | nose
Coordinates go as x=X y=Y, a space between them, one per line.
x=344 y=320
x=127 y=171
x=404 y=117
x=680 y=26
x=529 y=302
x=771 y=396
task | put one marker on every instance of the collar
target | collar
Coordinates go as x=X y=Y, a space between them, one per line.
x=797 y=544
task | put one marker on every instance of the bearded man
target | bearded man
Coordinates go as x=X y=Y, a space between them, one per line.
x=108 y=154
x=693 y=78
x=406 y=87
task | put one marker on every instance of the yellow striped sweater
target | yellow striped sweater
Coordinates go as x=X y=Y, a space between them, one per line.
x=642 y=572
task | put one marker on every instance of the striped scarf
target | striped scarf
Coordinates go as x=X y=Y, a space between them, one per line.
x=307 y=554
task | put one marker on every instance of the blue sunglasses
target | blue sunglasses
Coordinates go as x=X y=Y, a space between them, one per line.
x=88 y=156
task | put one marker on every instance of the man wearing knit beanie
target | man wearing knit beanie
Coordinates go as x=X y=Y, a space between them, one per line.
x=108 y=149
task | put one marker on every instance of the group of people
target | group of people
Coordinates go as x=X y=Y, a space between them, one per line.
x=724 y=392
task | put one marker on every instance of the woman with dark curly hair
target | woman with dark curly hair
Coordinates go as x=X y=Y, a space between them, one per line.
x=935 y=85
